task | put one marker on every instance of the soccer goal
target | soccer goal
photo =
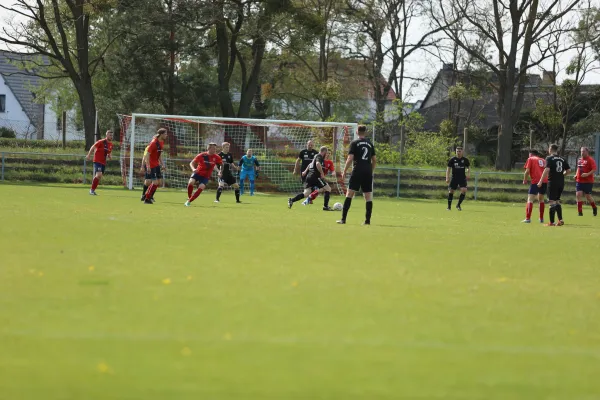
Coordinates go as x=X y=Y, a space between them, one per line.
x=276 y=144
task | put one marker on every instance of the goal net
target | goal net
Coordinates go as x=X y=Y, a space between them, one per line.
x=275 y=143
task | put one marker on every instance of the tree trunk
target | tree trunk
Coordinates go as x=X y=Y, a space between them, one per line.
x=249 y=90
x=505 y=133
x=88 y=111
x=223 y=68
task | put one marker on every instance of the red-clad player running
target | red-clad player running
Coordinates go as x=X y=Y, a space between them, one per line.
x=327 y=168
x=202 y=165
x=534 y=168
x=154 y=162
x=102 y=151
x=586 y=168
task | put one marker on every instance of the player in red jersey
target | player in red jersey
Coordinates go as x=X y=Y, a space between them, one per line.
x=534 y=168
x=586 y=168
x=154 y=162
x=202 y=166
x=102 y=151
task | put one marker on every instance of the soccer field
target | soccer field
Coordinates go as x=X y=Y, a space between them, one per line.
x=107 y=298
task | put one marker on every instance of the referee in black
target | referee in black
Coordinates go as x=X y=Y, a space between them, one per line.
x=362 y=157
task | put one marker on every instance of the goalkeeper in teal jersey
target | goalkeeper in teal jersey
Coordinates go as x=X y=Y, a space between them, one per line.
x=248 y=165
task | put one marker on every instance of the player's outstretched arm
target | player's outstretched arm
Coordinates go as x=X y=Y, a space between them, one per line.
x=256 y=164
x=92 y=149
x=193 y=165
x=297 y=166
x=544 y=175
x=447 y=174
x=373 y=163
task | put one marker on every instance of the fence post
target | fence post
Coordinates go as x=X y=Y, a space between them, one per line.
x=2 y=165
x=398 y=185
x=84 y=169
x=476 y=183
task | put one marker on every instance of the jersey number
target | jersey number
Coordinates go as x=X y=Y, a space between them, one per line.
x=365 y=153
x=559 y=167
x=541 y=163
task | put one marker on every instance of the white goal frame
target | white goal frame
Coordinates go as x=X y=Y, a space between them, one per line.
x=259 y=122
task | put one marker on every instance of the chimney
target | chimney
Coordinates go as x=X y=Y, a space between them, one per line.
x=548 y=78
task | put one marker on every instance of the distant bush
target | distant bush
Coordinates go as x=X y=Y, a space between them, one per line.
x=7 y=133
x=427 y=149
x=387 y=154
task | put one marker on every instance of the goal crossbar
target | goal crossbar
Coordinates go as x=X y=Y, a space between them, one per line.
x=276 y=143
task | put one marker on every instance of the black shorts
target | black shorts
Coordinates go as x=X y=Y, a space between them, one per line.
x=311 y=182
x=555 y=191
x=456 y=183
x=361 y=180
x=228 y=180
x=154 y=174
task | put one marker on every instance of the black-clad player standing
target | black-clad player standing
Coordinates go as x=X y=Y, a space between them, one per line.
x=460 y=168
x=362 y=156
x=304 y=159
x=556 y=169
x=225 y=173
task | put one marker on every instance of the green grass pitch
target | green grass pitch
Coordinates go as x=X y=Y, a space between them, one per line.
x=107 y=298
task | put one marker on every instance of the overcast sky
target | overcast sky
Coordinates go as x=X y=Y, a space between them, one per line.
x=420 y=65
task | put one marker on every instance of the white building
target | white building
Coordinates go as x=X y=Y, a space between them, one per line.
x=18 y=109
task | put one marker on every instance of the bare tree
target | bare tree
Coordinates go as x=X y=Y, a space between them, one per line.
x=60 y=31
x=512 y=27
x=383 y=37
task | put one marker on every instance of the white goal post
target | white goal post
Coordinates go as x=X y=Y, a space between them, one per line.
x=276 y=144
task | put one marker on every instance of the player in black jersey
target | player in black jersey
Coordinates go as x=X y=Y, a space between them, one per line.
x=556 y=169
x=313 y=182
x=460 y=168
x=362 y=157
x=225 y=173
x=304 y=159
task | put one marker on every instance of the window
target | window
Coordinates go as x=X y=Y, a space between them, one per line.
x=2 y=102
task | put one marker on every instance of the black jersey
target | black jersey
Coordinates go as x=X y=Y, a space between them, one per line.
x=557 y=166
x=313 y=171
x=363 y=152
x=227 y=161
x=459 y=165
x=306 y=156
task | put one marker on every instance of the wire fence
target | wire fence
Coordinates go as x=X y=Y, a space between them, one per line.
x=48 y=130
x=389 y=182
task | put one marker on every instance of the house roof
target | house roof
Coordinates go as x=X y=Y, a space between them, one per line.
x=20 y=81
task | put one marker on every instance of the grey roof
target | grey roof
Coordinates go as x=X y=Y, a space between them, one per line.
x=21 y=82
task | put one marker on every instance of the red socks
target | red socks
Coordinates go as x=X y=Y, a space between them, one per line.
x=542 y=206
x=195 y=196
x=314 y=195
x=529 y=210
x=190 y=190
x=593 y=204
x=95 y=183
x=150 y=191
x=580 y=206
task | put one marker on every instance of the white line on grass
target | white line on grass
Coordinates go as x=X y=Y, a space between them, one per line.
x=437 y=345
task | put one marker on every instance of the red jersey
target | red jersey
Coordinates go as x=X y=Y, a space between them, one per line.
x=206 y=163
x=155 y=149
x=328 y=167
x=103 y=150
x=536 y=167
x=584 y=165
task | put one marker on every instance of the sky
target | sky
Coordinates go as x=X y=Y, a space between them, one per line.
x=420 y=65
